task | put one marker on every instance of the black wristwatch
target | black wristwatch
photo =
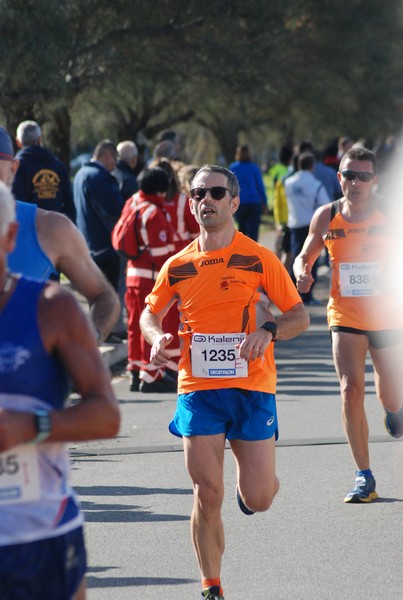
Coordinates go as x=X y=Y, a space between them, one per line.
x=272 y=327
x=43 y=424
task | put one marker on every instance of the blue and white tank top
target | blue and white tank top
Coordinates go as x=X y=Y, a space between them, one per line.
x=36 y=500
x=28 y=257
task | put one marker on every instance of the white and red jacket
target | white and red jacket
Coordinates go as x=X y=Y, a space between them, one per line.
x=155 y=232
x=182 y=220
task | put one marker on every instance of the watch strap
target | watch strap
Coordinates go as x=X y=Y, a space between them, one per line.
x=43 y=426
x=272 y=327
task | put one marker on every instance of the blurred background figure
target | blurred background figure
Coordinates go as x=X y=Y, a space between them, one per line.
x=125 y=171
x=253 y=193
x=164 y=149
x=155 y=235
x=331 y=156
x=326 y=174
x=304 y=194
x=278 y=172
x=185 y=176
x=343 y=145
x=41 y=179
x=169 y=135
x=98 y=204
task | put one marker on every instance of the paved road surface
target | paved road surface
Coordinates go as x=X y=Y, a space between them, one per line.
x=137 y=498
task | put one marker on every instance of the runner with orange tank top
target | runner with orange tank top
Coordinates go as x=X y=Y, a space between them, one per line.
x=365 y=314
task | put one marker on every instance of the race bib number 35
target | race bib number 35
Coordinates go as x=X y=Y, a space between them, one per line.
x=215 y=355
x=19 y=475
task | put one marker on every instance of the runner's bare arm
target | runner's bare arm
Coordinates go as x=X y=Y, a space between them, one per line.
x=151 y=328
x=62 y=241
x=311 y=249
x=67 y=332
x=293 y=322
x=289 y=324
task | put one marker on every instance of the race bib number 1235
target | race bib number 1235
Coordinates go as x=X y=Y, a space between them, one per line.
x=215 y=355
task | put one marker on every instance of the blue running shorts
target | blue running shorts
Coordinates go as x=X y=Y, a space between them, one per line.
x=240 y=414
x=44 y=570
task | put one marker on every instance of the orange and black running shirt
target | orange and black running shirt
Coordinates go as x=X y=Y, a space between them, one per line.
x=360 y=254
x=220 y=292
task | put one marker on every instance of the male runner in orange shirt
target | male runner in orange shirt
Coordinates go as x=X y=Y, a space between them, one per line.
x=227 y=377
x=364 y=315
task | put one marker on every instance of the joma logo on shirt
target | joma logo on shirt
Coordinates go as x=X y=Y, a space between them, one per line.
x=356 y=230
x=212 y=261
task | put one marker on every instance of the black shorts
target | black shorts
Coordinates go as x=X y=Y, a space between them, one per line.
x=50 y=568
x=377 y=339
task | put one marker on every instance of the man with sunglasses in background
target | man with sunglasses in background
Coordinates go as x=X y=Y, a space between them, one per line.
x=365 y=313
x=227 y=374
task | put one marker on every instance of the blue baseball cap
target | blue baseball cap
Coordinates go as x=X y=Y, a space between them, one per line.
x=6 y=145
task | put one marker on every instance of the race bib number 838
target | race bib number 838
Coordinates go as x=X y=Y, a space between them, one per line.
x=360 y=279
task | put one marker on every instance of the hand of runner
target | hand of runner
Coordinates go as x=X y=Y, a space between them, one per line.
x=158 y=355
x=305 y=280
x=254 y=345
x=15 y=428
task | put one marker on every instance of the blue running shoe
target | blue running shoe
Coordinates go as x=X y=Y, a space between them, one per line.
x=364 y=490
x=212 y=593
x=242 y=506
x=394 y=423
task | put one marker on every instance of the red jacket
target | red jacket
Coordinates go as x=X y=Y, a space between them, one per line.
x=182 y=220
x=157 y=233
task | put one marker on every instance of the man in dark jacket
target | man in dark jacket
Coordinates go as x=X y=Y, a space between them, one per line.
x=42 y=178
x=98 y=204
x=125 y=169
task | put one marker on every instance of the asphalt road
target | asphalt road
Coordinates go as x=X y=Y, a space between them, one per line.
x=136 y=497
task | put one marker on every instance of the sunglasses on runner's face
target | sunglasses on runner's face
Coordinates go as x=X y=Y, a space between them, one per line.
x=364 y=176
x=217 y=192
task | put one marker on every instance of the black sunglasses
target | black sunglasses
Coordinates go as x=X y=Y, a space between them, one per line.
x=362 y=175
x=217 y=192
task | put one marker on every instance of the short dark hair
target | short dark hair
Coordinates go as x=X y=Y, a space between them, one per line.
x=166 y=165
x=286 y=153
x=358 y=153
x=242 y=153
x=233 y=184
x=153 y=181
x=306 y=160
x=167 y=134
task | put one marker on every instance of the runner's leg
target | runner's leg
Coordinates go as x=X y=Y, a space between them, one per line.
x=256 y=472
x=204 y=456
x=81 y=592
x=349 y=352
x=388 y=364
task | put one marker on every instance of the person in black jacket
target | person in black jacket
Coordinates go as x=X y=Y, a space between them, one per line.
x=41 y=179
x=125 y=169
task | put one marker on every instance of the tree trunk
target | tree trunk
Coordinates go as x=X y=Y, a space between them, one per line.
x=58 y=134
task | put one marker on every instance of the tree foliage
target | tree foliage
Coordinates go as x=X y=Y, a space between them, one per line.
x=133 y=67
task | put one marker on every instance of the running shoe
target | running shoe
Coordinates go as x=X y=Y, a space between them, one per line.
x=242 y=506
x=135 y=381
x=364 y=490
x=394 y=423
x=162 y=386
x=212 y=593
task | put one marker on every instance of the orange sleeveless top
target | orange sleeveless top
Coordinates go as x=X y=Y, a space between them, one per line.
x=361 y=294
